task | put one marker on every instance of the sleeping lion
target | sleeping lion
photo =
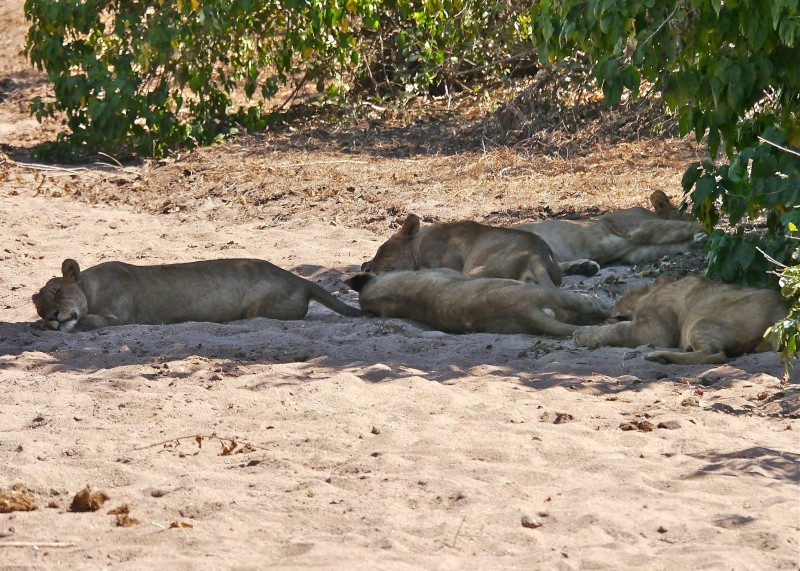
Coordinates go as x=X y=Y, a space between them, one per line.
x=474 y=249
x=116 y=293
x=628 y=236
x=452 y=302
x=693 y=320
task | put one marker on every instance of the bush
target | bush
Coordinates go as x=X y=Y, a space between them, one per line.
x=787 y=332
x=731 y=73
x=145 y=77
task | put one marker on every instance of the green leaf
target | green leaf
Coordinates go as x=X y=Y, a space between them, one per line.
x=777 y=6
x=704 y=188
x=713 y=141
x=630 y=78
x=737 y=207
x=612 y=91
x=546 y=29
x=196 y=82
x=746 y=253
x=685 y=120
x=691 y=175
x=372 y=22
x=788 y=31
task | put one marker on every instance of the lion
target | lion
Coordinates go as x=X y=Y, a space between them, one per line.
x=694 y=320
x=474 y=249
x=116 y=293
x=628 y=236
x=455 y=303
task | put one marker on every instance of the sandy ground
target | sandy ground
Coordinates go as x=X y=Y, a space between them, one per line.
x=360 y=443
x=367 y=443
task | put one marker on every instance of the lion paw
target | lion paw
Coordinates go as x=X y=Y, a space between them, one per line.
x=657 y=357
x=586 y=268
x=583 y=338
x=581 y=268
x=699 y=237
x=44 y=325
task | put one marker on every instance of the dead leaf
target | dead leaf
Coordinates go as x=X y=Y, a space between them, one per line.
x=88 y=501
x=563 y=418
x=125 y=520
x=17 y=499
x=120 y=509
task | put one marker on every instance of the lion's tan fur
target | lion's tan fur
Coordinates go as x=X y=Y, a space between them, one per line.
x=628 y=236
x=474 y=249
x=450 y=301
x=693 y=320
x=116 y=293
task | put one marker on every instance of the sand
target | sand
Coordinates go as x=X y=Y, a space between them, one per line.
x=364 y=443
x=338 y=443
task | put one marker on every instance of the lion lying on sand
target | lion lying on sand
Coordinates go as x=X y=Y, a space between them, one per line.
x=452 y=302
x=705 y=321
x=473 y=249
x=628 y=236
x=115 y=293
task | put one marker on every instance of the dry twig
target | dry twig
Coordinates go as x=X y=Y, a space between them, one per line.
x=36 y=544
x=199 y=439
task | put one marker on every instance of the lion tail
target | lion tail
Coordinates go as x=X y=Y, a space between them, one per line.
x=553 y=269
x=326 y=298
x=549 y=325
x=544 y=271
x=703 y=357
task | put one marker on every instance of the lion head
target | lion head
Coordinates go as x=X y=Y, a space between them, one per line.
x=62 y=302
x=397 y=253
x=626 y=307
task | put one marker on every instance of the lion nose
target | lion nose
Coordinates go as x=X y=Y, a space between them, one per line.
x=365 y=267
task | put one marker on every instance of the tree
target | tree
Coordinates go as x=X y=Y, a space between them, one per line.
x=730 y=70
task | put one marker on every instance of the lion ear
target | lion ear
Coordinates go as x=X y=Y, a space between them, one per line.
x=71 y=271
x=410 y=226
x=661 y=203
x=358 y=281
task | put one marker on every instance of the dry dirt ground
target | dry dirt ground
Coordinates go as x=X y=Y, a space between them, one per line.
x=359 y=443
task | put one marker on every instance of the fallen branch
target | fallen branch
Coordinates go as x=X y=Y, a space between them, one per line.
x=331 y=162
x=36 y=544
x=198 y=438
x=70 y=171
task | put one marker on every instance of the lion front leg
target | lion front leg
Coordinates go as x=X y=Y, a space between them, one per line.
x=44 y=325
x=661 y=232
x=92 y=321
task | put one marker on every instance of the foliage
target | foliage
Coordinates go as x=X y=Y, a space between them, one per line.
x=787 y=332
x=439 y=44
x=731 y=73
x=147 y=76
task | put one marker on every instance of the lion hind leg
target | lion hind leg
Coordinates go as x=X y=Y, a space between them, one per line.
x=276 y=303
